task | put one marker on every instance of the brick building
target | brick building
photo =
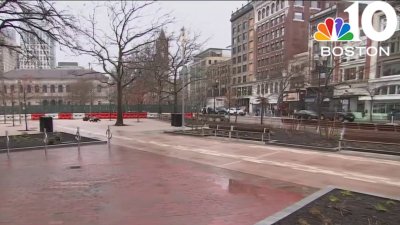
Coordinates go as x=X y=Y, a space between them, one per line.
x=282 y=29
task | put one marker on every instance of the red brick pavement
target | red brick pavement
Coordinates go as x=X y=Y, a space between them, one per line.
x=132 y=187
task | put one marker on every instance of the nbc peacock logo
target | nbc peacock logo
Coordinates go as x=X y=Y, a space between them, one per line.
x=334 y=30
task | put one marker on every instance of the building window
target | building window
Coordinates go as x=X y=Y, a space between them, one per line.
x=44 y=88
x=282 y=4
x=244 y=57
x=244 y=79
x=298 y=16
x=99 y=88
x=37 y=89
x=272 y=8
x=244 y=25
x=233 y=60
x=52 y=89
x=239 y=59
x=361 y=73
x=244 y=68
x=239 y=80
x=392 y=90
x=29 y=89
x=267 y=11
x=314 y=4
x=391 y=69
x=259 y=15
x=67 y=88
x=298 y=2
x=60 y=88
x=244 y=47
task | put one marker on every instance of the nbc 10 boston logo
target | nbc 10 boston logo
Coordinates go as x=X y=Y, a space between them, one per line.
x=336 y=30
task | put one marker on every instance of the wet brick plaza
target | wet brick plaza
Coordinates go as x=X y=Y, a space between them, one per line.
x=152 y=178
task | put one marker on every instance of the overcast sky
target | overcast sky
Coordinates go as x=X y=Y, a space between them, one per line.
x=209 y=18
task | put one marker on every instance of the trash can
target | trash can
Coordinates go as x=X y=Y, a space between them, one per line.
x=46 y=122
x=176 y=119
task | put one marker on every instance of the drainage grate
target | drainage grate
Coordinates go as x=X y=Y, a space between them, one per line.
x=75 y=167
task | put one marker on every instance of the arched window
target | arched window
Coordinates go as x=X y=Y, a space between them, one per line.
x=67 y=88
x=5 y=89
x=99 y=88
x=60 y=102
x=277 y=5
x=259 y=15
x=267 y=11
x=45 y=102
x=53 y=102
x=44 y=89
x=52 y=89
x=282 y=4
x=263 y=13
x=29 y=89
x=12 y=88
x=272 y=8
x=60 y=88
x=37 y=89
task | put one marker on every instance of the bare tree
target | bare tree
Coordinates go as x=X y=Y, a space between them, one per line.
x=80 y=92
x=119 y=49
x=31 y=19
x=182 y=48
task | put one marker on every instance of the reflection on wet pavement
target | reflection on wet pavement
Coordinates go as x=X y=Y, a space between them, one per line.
x=125 y=186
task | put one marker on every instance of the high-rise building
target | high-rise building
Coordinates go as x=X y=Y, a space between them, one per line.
x=37 y=53
x=242 y=79
x=8 y=56
x=282 y=29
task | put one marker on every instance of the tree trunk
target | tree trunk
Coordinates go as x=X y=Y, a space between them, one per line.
x=120 y=119
x=175 y=102
x=262 y=111
x=370 y=109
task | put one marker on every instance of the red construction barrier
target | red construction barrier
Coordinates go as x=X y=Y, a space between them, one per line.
x=134 y=115
x=36 y=116
x=188 y=115
x=65 y=116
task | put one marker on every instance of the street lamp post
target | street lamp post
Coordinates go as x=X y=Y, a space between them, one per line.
x=183 y=42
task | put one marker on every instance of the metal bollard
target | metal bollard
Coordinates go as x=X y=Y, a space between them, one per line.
x=216 y=131
x=109 y=136
x=45 y=141
x=78 y=138
x=8 y=145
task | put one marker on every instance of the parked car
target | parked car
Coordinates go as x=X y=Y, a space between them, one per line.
x=208 y=110
x=85 y=118
x=306 y=114
x=340 y=116
x=238 y=111
x=395 y=114
x=94 y=119
x=221 y=110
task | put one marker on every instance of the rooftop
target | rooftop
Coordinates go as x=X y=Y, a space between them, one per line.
x=53 y=74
